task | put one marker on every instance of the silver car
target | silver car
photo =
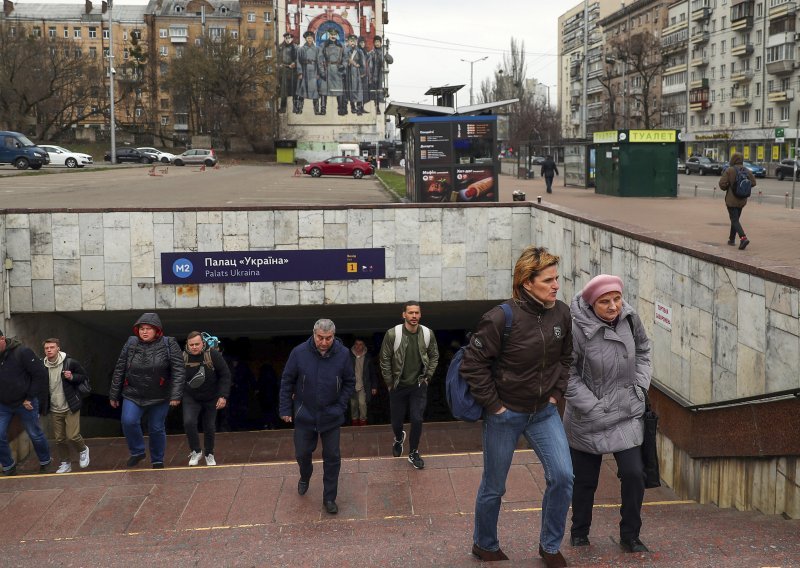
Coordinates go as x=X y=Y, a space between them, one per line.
x=196 y=156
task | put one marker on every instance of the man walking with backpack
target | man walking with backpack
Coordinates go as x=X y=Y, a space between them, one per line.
x=408 y=358
x=737 y=182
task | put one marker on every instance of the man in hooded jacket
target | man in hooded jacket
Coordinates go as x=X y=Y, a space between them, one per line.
x=149 y=378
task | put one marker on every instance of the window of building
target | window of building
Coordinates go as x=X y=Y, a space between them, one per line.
x=691 y=120
x=758 y=89
x=770 y=85
x=235 y=34
x=758 y=116
x=93 y=52
x=92 y=32
x=163 y=51
x=51 y=31
x=125 y=35
x=106 y=52
x=251 y=34
x=784 y=113
x=78 y=53
x=178 y=51
x=36 y=31
x=76 y=33
x=106 y=34
x=759 y=10
x=722 y=71
x=759 y=37
x=136 y=34
x=785 y=83
x=712 y=119
x=722 y=46
x=162 y=33
x=66 y=32
x=178 y=9
x=251 y=51
x=163 y=69
x=164 y=104
x=267 y=17
x=722 y=23
x=758 y=63
x=268 y=53
x=721 y=118
x=164 y=120
x=744 y=117
x=251 y=17
x=733 y=118
x=713 y=49
x=139 y=112
x=125 y=54
x=769 y=115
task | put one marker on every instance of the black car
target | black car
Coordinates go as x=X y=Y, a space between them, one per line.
x=702 y=165
x=132 y=155
x=786 y=169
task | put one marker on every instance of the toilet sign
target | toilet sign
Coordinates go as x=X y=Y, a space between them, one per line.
x=664 y=315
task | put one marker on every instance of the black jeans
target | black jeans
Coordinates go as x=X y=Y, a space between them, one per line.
x=549 y=181
x=736 y=227
x=191 y=413
x=413 y=399
x=305 y=442
x=630 y=471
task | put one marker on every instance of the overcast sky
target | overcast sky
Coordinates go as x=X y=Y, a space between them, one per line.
x=428 y=39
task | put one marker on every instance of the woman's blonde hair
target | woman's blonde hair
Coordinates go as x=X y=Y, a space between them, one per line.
x=530 y=263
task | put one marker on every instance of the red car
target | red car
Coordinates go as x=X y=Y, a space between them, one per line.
x=339 y=166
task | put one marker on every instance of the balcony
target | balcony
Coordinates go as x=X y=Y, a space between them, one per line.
x=180 y=127
x=739 y=102
x=700 y=106
x=788 y=8
x=672 y=89
x=781 y=67
x=742 y=24
x=699 y=61
x=700 y=14
x=700 y=37
x=742 y=50
x=699 y=84
x=742 y=76
x=781 y=96
x=679 y=68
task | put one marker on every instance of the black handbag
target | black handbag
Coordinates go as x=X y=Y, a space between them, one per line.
x=652 y=473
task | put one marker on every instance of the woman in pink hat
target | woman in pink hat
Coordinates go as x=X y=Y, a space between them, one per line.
x=605 y=403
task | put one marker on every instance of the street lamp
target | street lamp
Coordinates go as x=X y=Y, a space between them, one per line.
x=111 y=75
x=471 y=64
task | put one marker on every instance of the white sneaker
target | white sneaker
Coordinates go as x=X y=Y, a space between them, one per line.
x=210 y=460
x=194 y=458
x=84 y=458
x=65 y=467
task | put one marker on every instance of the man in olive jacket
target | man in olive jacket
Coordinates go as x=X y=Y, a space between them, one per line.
x=727 y=183
x=408 y=358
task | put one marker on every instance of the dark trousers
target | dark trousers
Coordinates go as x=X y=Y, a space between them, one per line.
x=305 y=442
x=736 y=227
x=413 y=399
x=191 y=415
x=630 y=471
x=549 y=181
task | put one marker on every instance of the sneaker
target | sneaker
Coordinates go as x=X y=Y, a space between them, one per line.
x=84 y=458
x=397 y=447
x=415 y=460
x=743 y=244
x=158 y=465
x=10 y=471
x=210 y=459
x=133 y=460
x=65 y=467
x=194 y=458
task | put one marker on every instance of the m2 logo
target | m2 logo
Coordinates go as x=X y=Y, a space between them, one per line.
x=182 y=268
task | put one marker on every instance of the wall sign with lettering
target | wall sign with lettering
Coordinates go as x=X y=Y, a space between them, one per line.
x=272 y=266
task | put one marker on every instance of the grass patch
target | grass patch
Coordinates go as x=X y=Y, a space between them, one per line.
x=396 y=182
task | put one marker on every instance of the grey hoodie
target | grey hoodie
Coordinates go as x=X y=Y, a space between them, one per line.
x=604 y=402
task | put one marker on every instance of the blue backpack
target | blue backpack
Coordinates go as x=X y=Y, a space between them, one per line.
x=459 y=399
x=743 y=184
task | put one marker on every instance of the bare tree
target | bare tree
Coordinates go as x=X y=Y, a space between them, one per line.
x=641 y=55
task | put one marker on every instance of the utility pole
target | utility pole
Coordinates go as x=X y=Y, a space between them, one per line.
x=111 y=75
x=796 y=142
x=584 y=98
x=471 y=65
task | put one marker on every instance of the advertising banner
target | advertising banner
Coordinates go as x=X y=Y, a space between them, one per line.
x=437 y=185
x=272 y=266
x=475 y=184
x=435 y=144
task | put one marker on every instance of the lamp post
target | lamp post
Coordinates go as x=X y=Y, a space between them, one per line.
x=471 y=64
x=111 y=74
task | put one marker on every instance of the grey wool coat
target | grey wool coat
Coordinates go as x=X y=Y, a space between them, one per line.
x=604 y=404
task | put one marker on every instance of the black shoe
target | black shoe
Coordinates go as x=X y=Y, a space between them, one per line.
x=331 y=507
x=488 y=555
x=45 y=468
x=732 y=242
x=158 y=465
x=579 y=540
x=302 y=487
x=743 y=243
x=10 y=471
x=397 y=447
x=633 y=545
x=552 y=560
x=133 y=460
x=415 y=460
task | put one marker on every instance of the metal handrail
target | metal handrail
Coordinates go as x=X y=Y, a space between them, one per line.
x=758 y=398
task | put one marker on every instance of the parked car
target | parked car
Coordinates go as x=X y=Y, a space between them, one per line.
x=164 y=157
x=60 y=156
x=786 y=169
x=682 y=167
x=703 y=165
x=756 y=170
x=16 y=149
x=196 y=156
x=339 y=166
x=131 y=155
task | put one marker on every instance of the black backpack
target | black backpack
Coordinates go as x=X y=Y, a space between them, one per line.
x=743 y=185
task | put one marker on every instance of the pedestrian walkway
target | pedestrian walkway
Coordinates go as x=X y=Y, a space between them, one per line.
x=249 y=513
x=698 y=223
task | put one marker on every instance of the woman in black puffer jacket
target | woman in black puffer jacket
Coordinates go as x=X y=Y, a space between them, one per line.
x=149 y=378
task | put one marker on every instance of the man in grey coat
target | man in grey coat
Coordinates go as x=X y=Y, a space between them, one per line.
x=307 y=74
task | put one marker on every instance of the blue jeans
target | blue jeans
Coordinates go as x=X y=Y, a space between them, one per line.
x=30 y=420
x=545 y=433
x=132 y=428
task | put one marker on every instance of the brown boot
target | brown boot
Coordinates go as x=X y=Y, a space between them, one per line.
x=488 y=555
x=554 y=560
x=362 y=422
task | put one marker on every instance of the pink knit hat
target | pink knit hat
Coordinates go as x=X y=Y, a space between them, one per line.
x=599 y=285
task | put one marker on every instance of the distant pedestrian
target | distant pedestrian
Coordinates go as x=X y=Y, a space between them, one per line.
x=148 y=379
x=409 y=356
x=365 y=388
x=64 y=404
x=727 y=183
x=519 y=382
x=316 y=387
x=549 y=170
x=23 y=381
x=609 y=375
x=208 y=387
